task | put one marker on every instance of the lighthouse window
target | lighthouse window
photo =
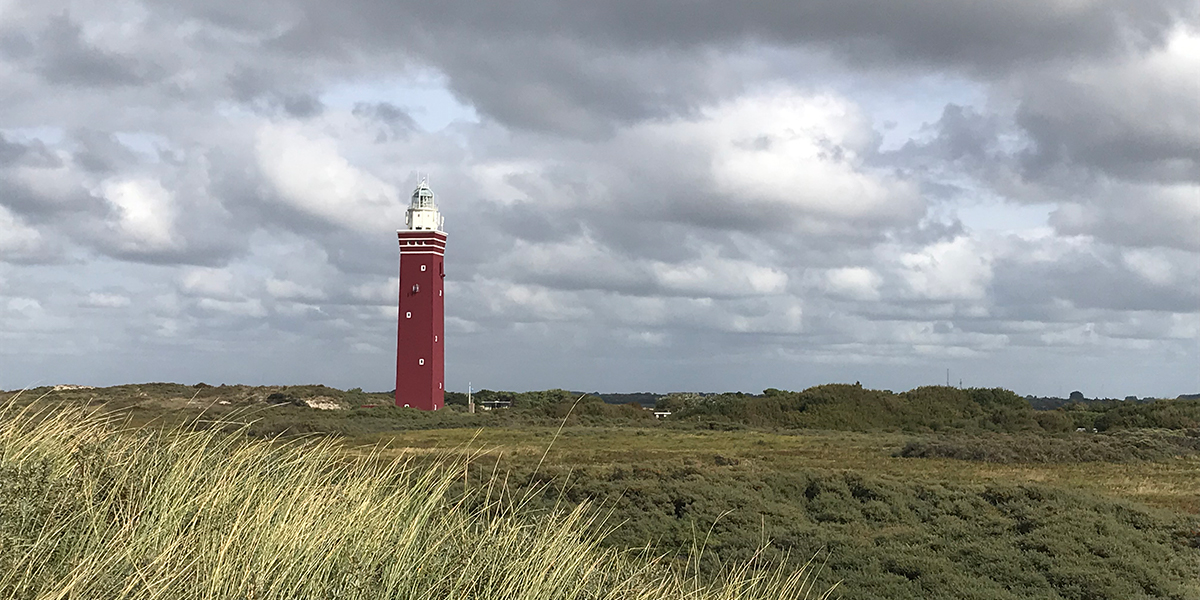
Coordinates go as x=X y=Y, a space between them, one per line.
x=408 y=315
x=439 y=292
x=420 y=361
x=422 y=267
x=435 y=338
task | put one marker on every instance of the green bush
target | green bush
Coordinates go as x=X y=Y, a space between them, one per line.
x=1118 y=447
x=891 y=537
x=854 y=408
x=1165 y=414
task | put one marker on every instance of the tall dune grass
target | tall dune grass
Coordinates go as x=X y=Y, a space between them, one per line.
x=90 y=509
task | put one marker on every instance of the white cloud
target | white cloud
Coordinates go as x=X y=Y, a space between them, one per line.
x=1151 y=266
x=855 y=283
x=495 y=179
x=1146 y=215
x=526 y=302
x=959 y=269
x=242 y=308
x=103 y=300
x=648 y=338
x=146 y=214
x=310 y=174
x=213 y=283
x=286 y=289
x=801 y=152
x=17 y=239
x=585 y=263
x=29 y=315
x=384 y=292
x=714 y=277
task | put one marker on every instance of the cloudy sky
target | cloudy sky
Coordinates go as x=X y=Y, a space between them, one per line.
x=666 y=195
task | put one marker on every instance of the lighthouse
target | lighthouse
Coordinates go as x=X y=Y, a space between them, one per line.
x=420 y=336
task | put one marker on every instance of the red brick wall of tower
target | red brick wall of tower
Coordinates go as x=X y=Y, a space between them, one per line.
x=420 y=337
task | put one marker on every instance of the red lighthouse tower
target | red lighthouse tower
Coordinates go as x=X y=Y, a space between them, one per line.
x=420 y=343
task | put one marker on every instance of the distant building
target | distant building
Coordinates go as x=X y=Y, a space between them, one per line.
x=495 y=404
x=420 y=333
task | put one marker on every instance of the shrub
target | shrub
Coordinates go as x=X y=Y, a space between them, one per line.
x=1120 y=447
x=852 y=407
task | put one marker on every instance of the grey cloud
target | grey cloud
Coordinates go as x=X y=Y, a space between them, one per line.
x=10 y=152
x=1132 y=215
x=580 y=67
x=351 y=253
x=1091 y=278
x=67 y=203
x=40 y=208
x=1126 y=125
x=395 y=122
x=33 y=154
x=961 y=134
x=302 y=106
x=100 y=152
x=555 y=84
x=66 y=58
x=15 y=43
x=936 y=31
x=274 y=92
x=1125 y=174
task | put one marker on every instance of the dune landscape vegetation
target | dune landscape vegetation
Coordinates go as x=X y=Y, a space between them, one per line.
x=169 y=490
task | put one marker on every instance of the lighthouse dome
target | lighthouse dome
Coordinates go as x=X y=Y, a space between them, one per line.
x=422 y=197
x=423 y=212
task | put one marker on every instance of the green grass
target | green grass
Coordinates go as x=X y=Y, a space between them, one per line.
x=92 y=508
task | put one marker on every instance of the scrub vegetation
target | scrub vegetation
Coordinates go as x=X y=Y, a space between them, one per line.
x=933 y=493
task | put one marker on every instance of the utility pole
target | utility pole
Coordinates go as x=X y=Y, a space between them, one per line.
x=470 y=400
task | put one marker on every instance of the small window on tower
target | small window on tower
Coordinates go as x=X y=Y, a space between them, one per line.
x=435 y=338
x=422 y=267
x=420 y=361
x=408 y=315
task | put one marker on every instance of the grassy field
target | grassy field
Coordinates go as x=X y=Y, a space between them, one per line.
x=90 y=508
x=888 y=527
x=1028 y=514
x=1172 y=483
